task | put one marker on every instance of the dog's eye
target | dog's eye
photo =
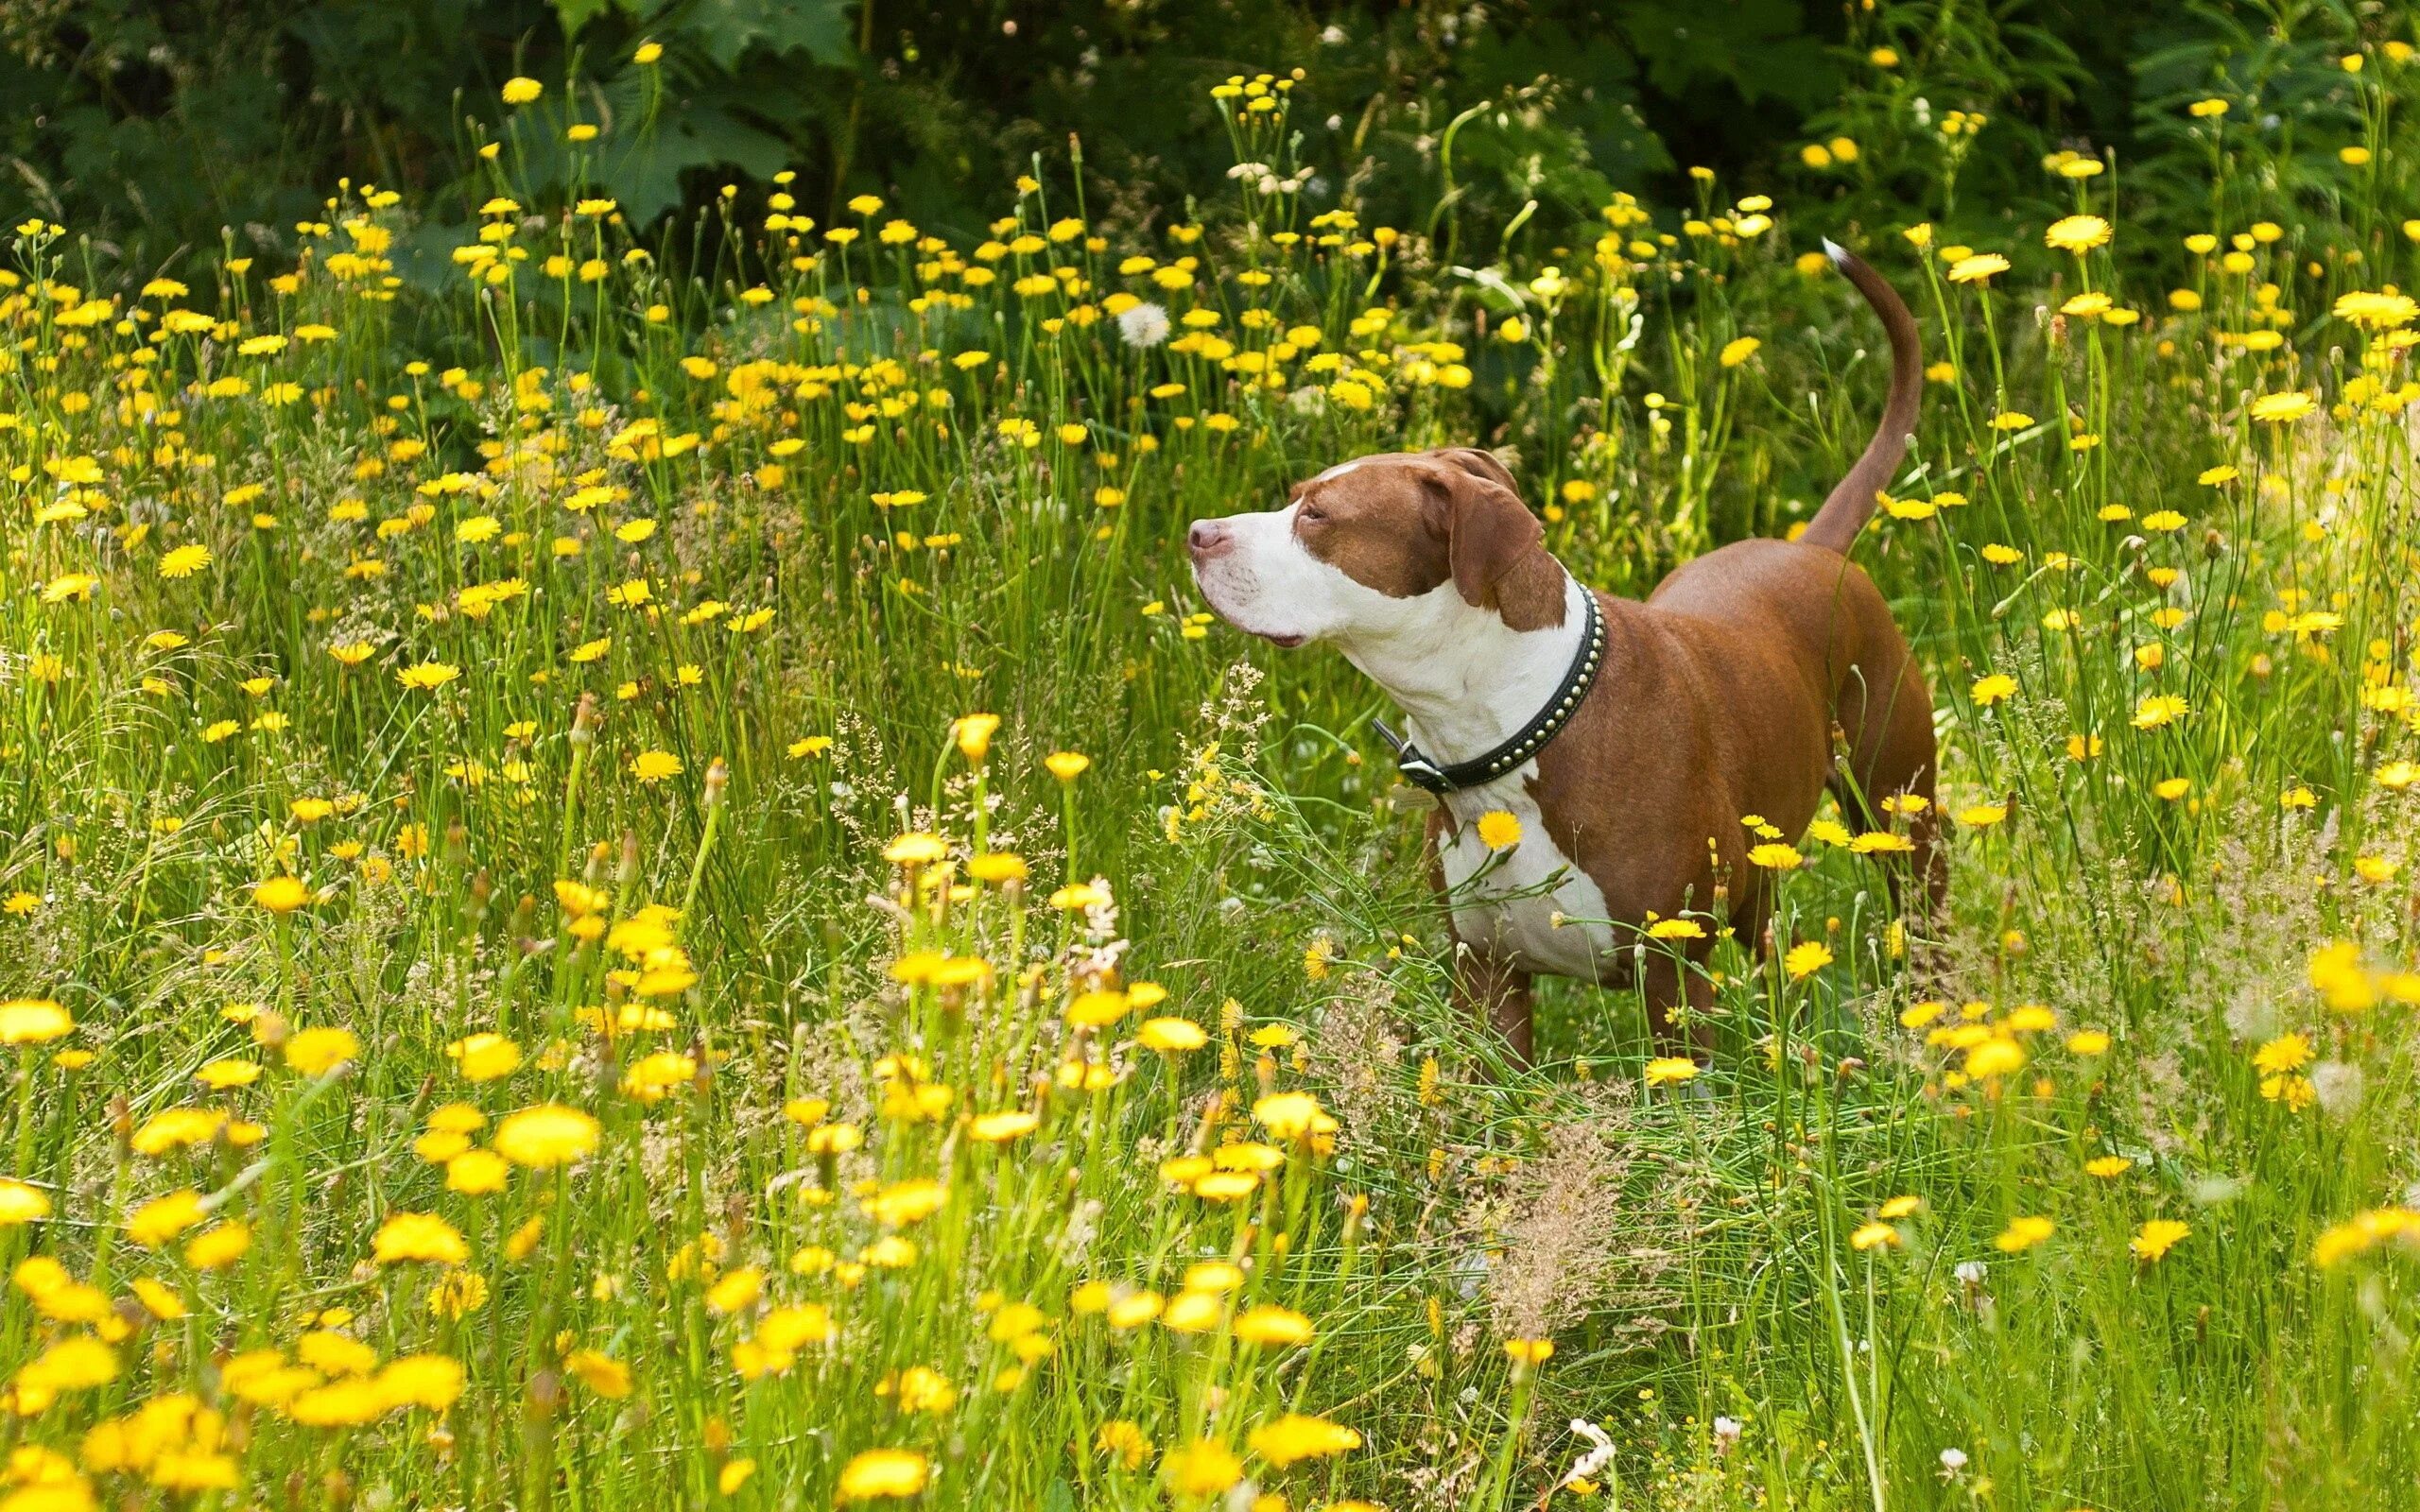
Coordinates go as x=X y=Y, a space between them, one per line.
x=1312 y=514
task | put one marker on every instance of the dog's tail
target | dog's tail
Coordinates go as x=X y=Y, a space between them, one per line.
x=1852 y=503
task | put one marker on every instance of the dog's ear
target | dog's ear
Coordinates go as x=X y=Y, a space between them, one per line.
x=1478 y=464
x=1492 y=540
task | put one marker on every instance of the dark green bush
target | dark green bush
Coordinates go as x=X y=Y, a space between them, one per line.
x=156 y=124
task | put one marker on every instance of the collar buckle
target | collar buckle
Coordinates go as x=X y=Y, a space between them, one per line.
x=1421 y=771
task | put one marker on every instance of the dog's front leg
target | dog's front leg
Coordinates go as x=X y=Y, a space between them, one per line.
x=1487 y=986
x=1497 y=993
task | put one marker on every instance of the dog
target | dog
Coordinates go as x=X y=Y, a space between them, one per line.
x=1644 y=747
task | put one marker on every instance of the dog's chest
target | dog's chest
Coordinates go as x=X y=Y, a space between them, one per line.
x=1507 y=901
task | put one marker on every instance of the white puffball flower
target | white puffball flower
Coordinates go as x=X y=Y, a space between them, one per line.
x=1143 y=325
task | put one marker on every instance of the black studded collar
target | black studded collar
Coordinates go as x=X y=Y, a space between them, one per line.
x=1526 y=741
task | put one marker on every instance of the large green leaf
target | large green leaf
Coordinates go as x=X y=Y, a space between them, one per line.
x=724 y=29
x=645 y=179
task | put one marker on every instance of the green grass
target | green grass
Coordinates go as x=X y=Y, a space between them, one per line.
x=590 y=688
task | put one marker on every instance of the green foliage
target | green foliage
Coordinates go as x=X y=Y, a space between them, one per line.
x=484 y=599
x=157 y=122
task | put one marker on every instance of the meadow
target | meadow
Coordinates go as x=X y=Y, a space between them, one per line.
x=637 y=878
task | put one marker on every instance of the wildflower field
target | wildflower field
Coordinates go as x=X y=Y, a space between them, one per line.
x=635 y=878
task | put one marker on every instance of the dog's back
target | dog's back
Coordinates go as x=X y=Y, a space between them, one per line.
x=1802 y=609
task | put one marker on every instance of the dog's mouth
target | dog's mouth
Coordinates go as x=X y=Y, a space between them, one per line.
x=1286 y=641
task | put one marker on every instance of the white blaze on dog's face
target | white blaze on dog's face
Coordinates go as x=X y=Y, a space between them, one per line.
x=1382 y=554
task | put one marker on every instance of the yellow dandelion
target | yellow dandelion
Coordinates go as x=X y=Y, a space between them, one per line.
x=1498 y=829
x=2156 y=1237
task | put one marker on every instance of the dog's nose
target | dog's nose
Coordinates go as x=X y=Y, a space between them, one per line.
x=1207 y=537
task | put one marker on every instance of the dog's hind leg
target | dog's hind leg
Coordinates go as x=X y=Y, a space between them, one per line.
x=1892 y=754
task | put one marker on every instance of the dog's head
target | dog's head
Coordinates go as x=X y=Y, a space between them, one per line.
x=1379 y=545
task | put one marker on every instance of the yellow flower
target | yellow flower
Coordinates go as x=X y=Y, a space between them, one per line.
x=1078 y=895
x=2364 y=1230
x=1805 y=958
x=1096 y=1010
x=2156 y=1238
x=162 y=1219
x=1202 y=1469
x=2076 y=233
x=1665 y=1070
x=432 y=1381
x=2376 y=311
x=1737 y=350
x=184 y=561
x=1270 y=1324
x=736 y=1289
x=545 y=1135
x=1298 y=1437
x=22 y=1204
x=475 y=1172
x=998 y=1128
x=1977 y=267
x=649 y=54
x=1498 y=829
x=1996 y=1056
x=998 y=867
x=78 y=1363
x=1170 y=1035
x=1066 y=765
x=1773 y=855
x=973 y=733
x=2088 y=1042
x=428 y=676
x=915 y=849
x=281 y=895
x=220 y=1245
x=653 y=767
x=2023 y=1234
x=1996 y=688
x=316 y=1052
x=1291 y=1116
x=2106 y=1167
x=878 y=1473
x=2339 y=978
x=33 y=1022
x=2286 y=1053
x=522 y=91
x=422 y=1237
x=599 y=1373
x=177 y=1128
x=1873 y=1236
x=2159 y=711
x=2282 y=409
x=484 y=1056
x=1982 y=816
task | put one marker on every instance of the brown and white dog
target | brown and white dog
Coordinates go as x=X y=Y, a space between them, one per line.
x=1749 y=683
